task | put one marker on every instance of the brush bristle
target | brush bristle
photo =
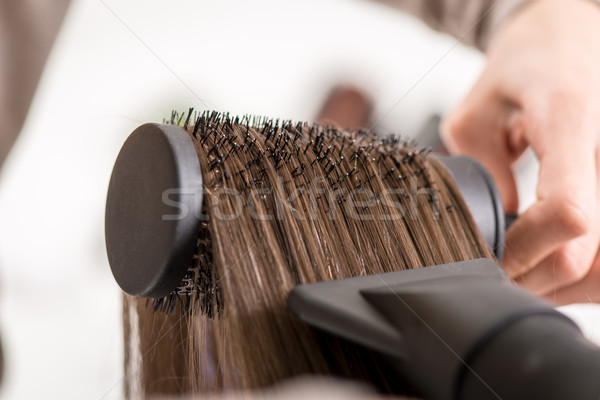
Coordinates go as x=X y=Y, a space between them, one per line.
x=336 y=154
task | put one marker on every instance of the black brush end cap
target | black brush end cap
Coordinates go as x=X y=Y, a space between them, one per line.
x=153 y=210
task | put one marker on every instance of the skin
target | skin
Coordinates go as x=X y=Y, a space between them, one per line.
x=541 y=89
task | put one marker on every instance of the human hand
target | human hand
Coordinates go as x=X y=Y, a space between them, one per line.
x=541 y=88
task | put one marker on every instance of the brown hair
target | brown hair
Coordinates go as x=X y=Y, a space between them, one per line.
x=288 y=204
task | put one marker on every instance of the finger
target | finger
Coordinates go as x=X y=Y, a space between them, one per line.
x=584 y=284
x=479 y=128
x=567 y=192
x=563 y=267
x=584 y=291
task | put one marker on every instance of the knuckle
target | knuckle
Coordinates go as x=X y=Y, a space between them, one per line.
x=514 y=263
x=571 y=218
x=570 y=97
x=572 y=268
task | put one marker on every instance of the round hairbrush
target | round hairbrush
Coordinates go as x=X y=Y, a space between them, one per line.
x=153 y=209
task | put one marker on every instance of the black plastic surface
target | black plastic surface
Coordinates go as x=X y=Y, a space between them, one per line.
x=340 y=308
x=540 y=357
x=153 y=210
x=462 y=331
x=482 y=197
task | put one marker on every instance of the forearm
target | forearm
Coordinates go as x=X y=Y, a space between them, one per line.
x=471 y=21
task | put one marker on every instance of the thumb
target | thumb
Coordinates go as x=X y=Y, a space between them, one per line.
x=481 y=128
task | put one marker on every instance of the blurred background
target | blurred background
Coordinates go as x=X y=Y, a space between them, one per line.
x=118 y=64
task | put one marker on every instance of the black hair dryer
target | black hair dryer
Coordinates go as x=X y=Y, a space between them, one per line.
x=460 y=331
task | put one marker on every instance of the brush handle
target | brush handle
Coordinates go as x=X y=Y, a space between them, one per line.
x=509 y=219
x=481 y=196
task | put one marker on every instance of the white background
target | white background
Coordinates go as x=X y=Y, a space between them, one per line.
x=118 y=64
